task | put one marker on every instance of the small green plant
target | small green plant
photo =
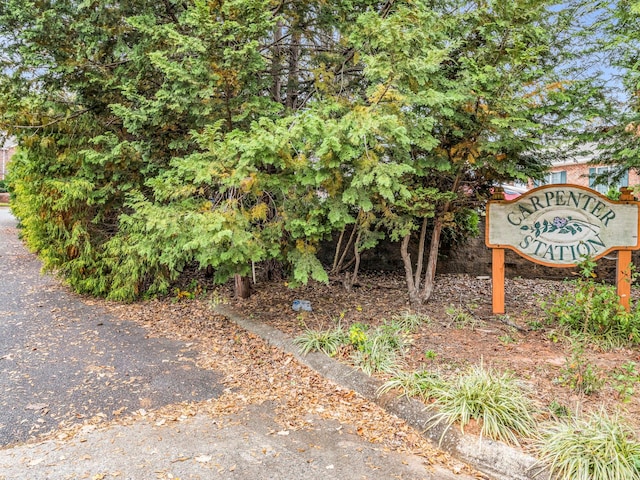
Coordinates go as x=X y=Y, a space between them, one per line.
x=412 y=384
x=379 y=349
x=557 y=410
x=593 y=311
x=507 y=339
x=460 y=317
x=554 y=336
x=376 y=356
x=411 y=321
x=374 y=349
x=358 y=335
x=430 y=355
x=215 y=299
x=578 y=374
x=193 y=290
x=597 y=447
x=327 y=341
x=535 y=325
x=624 y=380
x=496 y=400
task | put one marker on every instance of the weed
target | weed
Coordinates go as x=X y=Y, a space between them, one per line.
x=461 y=318
x=216 y=299
x=598 y=447
x=194 y=289
x=625 y=379
x=535 y=325
x=494 y=399
x=507 y=339
x=376 y=356
x=378 y=350
x=557 y=410
x=358 y=335
x=578 y=374
x=430 y=355
x=411 y=321
x=554 y=336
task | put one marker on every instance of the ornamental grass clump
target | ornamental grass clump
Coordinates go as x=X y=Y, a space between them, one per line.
x=380 y=349
x=495 y=400
x=419 y=383
x=327 y=341
x=597 y=447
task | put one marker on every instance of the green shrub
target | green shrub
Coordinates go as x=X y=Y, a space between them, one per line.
x=597 y=447
x=3 y=186
x=592 y=310
x=461 y=318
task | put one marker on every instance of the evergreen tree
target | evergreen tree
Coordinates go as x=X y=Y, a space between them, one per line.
x=157 y=135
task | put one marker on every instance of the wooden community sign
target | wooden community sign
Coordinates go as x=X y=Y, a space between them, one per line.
x=560 y=225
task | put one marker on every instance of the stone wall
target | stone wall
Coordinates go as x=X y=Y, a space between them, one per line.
x=474 y=258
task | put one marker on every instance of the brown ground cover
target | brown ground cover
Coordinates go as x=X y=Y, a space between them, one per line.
x=521 y=342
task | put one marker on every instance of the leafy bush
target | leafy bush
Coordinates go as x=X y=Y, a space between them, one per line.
x=495 y=400
x=597 y=447
x=3 y=186
x=593 y=311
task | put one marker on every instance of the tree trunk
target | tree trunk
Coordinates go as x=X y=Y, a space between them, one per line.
x=242 y=286
x=351 y=278
x=432 y=262
x=276 y=64
x=414 y=296
x=434 y=246
x=293 y=78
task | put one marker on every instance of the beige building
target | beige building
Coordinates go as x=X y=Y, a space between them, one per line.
x=581 y=172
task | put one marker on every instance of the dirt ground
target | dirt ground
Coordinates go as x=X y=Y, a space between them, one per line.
x=520 y=342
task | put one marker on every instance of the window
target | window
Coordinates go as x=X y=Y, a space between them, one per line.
x=604 y=185
x=554 y=177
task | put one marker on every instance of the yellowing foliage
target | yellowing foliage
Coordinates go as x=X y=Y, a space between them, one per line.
x=304 y=247
x=259 y=211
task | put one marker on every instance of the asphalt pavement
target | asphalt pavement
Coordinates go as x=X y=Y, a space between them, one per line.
x=64 y=360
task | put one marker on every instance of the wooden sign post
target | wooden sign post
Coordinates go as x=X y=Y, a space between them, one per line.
x=560 y=225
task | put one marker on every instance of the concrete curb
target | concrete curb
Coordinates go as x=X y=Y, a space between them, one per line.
x=495 y=459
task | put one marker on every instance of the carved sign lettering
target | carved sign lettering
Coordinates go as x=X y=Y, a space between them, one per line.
x=559 y=225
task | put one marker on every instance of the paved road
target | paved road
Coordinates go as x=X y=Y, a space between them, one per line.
x=64 y=360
